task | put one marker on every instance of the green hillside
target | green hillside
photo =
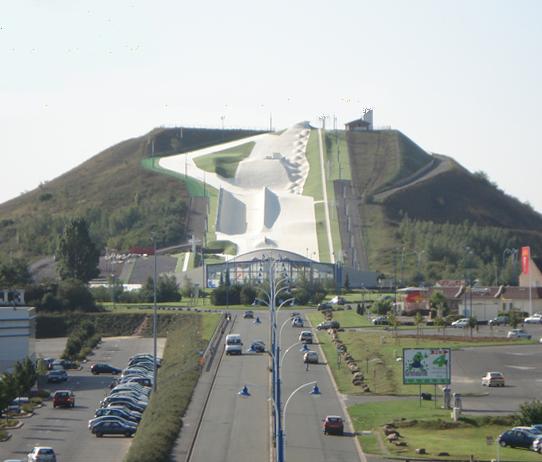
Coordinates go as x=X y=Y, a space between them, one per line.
x=121 y=200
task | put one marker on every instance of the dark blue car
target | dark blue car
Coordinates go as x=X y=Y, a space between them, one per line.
x=113 y=428
x=517 y=438
x=119 y=412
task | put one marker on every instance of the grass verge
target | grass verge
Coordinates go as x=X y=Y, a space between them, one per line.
x=432 y=428
x=177 y=378
x=376 y=354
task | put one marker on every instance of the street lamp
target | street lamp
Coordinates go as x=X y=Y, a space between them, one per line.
x=154 y=320
x=315 y=392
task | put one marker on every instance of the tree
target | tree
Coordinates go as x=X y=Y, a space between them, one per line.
x=530 y=413
x=8 y=390
x=418 y=320
x=439 y=303
x=441 y=324
x=14 y=273
x=473 y=322
x=25 y=376
x=75 y=295
x=77 y=255
x=514 y=318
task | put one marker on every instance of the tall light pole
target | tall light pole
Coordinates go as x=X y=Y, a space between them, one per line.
x=154 y=321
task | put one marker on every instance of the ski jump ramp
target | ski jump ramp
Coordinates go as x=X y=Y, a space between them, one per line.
x=263 y=205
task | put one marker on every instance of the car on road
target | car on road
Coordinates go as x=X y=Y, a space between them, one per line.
x=249 y=314
x=333 y=424
x=518 y=333
x=499 y=321
x=41 y=454
x=297 y=322
x=234 y=344
x=461 y=323
x=493 y=379
x=63 y=398
x=305 y=336
x=257 y=346
x=380 y=321
x=113 y=428
x=517 y=438
x=102 y=368
x=310 y=357
x=57 y=376
x=325 y=325
x=295 y=314
x=534 y=319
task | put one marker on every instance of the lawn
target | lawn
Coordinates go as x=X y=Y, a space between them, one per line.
x=376 y=354
x=432 y=428
x=225 y=163
x=347 y=318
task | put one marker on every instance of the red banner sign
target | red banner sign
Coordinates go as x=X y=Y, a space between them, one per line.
x=525 y=257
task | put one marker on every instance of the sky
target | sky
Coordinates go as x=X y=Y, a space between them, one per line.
x=461 y=78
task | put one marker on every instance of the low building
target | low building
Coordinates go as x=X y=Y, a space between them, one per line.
x=17 y=335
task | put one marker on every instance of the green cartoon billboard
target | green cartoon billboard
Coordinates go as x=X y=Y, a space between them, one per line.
x=427 y=366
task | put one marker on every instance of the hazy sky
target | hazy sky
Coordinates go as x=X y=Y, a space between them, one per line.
x=461 y=78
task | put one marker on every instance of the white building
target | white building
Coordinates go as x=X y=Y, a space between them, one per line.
x=17 y=334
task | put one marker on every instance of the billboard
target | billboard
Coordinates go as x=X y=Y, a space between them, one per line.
x=427 y=366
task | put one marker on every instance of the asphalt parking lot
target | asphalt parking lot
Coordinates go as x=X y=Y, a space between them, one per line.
x=66 y=429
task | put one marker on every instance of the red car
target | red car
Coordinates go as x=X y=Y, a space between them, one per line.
x=64 y=398
x=333 y=424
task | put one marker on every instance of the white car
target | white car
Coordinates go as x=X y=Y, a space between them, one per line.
x=42 y=454
x=461 y=323
x=518 y=333
x=297 y=322
x=534 y=319
x=305 y=336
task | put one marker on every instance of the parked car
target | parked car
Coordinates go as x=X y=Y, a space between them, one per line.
x=101 y=368
x=145 y=381
x=57 y=376
x=518 y=333
x=499 y=321
x=534 y=319
x=64 y=364
x=519 y=438
x=110 y=418
x=130 y=403
x=41 y=454
x=63 y=398
x=537 y=444
x=333 y=424
x=305 y=336
x=461 y=323
x=249 y=314
x=493 y=379
x=380 y=321
x=257 y=346
x=113 y=428
x=310 y=357
x=328 y=325
x=324 y=306
x=297 y=322
x=119 y=411
x=337 y=300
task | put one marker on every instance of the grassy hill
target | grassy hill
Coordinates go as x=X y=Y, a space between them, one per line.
x=408 y=199
x=121 y=200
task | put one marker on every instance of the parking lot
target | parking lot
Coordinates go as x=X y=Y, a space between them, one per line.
x=65 y=429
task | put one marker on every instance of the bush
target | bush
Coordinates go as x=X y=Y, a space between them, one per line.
x=530 y=413
x=177 y=377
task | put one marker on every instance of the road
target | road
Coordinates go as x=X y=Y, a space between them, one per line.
x=305 y=440
x=238 y=427
x=520 y=365
x=66 y=429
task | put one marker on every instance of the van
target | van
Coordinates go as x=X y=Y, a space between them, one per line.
x=234 y=345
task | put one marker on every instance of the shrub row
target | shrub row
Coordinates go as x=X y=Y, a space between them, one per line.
x=177 y=378
x=81 y=342
x=105 y=324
